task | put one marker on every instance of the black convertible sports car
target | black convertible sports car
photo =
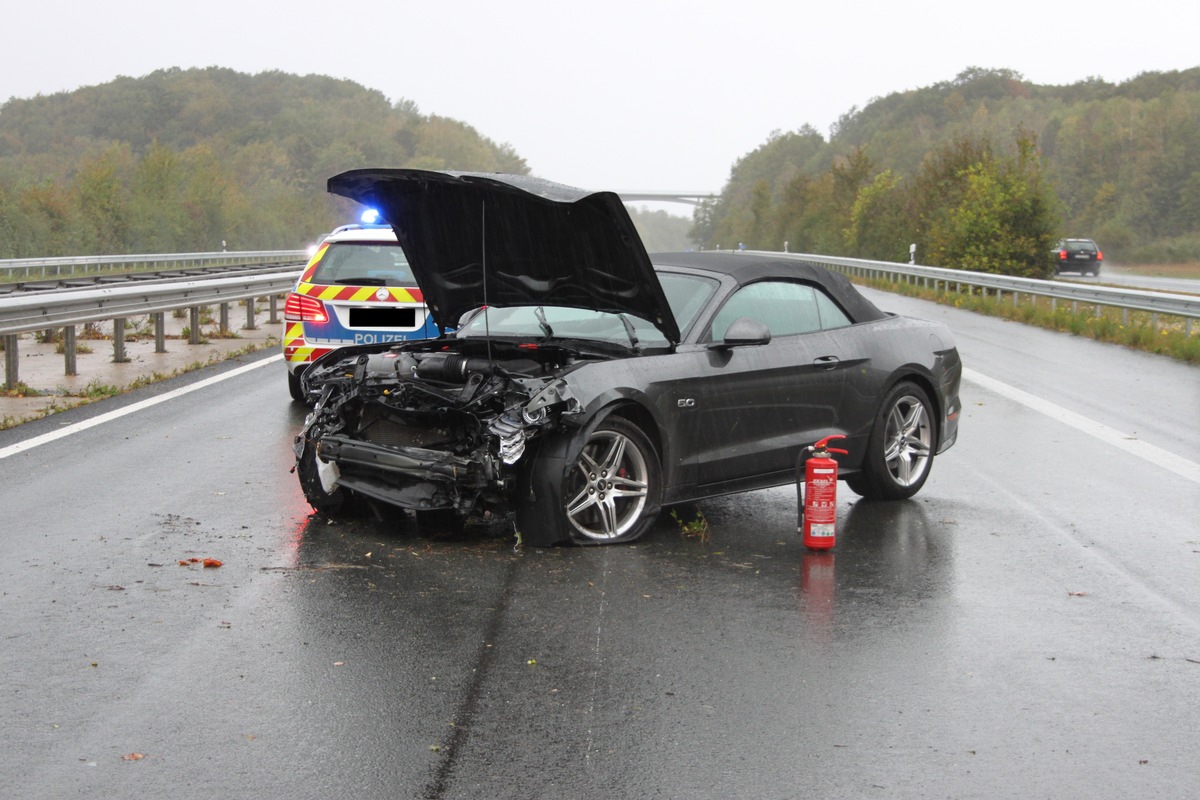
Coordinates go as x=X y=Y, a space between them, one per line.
x=578 y=385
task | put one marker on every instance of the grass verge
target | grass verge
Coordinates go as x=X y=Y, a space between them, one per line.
x=1141 y=330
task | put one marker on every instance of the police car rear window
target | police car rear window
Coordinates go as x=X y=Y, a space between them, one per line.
x=364 y=264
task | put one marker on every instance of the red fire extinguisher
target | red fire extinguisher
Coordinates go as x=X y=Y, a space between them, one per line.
x=818 y=499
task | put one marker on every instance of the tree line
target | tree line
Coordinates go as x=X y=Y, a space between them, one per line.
x=194 y=160
x=983 y=172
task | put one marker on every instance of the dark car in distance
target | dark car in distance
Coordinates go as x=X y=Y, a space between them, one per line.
x=578 y=385
x=1077 y=255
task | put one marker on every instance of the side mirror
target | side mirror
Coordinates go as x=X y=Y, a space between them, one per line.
x=745 y=331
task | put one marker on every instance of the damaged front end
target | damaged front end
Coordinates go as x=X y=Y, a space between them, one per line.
x=429 y=426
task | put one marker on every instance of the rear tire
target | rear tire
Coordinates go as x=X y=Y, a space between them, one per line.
x=901 y=447
x=294 y=388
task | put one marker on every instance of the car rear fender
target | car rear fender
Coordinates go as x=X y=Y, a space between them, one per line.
x=919 y=375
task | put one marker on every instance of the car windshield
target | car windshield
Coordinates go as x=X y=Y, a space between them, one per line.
x=559 y=322
x=364 y=264
x=686 y=295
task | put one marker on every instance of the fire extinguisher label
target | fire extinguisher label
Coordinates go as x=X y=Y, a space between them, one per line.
x=821 y=530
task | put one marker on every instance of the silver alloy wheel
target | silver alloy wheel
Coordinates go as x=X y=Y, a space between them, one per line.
x=608 y=487
x=909 y=441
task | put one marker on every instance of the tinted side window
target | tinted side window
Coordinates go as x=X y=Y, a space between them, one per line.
x=785 y=308
x=831 y=315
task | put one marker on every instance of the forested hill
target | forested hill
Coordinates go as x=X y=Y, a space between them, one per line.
x=1116 y=162
x=183 y=160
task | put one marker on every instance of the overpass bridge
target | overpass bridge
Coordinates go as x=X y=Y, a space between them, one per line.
x=689 y=198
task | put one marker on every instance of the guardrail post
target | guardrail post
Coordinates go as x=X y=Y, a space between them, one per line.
x=69 y=350
x=11 y=360
x=274 y=306
x=119 y=341
x=160 y=332
x=250 y=326
x=224 y=317
x=194 y=327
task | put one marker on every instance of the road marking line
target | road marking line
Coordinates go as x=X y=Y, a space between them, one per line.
x=133 y=408
x=1130 y=444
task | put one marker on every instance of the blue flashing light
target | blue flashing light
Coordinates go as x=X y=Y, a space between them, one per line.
x=371 y=216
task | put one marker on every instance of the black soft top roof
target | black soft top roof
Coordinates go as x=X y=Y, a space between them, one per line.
x=749 y=268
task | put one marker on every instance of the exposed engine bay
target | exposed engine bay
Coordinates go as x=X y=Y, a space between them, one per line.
x=433 y=425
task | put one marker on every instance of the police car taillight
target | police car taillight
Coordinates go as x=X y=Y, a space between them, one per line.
x=302 y=308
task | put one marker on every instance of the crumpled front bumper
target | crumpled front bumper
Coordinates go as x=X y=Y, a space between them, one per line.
x=414 y=462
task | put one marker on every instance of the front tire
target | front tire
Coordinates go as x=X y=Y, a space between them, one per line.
x=611 y=493
x=334 y=501
x=901 y=447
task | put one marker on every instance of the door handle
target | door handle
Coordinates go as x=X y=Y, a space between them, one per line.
x=826 y=362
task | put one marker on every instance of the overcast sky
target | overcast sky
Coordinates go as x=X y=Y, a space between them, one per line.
x=618 y=94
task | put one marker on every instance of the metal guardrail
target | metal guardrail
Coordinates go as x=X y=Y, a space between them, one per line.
x=1180 y=305
x=33 y=312
x=67 y=308
x=13 y=268
x=70 y=307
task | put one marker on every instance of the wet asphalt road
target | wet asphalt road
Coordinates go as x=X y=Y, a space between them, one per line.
x=1028 y=626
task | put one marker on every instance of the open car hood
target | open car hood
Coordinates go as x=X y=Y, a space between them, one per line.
x=476 y=239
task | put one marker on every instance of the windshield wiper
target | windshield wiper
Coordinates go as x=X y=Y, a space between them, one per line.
x=541 y=318
x=363 y=281
x=633 y=339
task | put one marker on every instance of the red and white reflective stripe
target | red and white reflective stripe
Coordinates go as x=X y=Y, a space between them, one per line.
x=361 y=294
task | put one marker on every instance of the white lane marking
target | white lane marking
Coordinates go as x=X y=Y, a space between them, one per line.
x=1130 y=444
x=133 y=408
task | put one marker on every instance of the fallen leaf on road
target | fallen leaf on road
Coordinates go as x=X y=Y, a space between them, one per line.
x=132 y=757
x=207 y=563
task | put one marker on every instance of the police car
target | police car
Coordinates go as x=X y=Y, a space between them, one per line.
x=356 y=289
